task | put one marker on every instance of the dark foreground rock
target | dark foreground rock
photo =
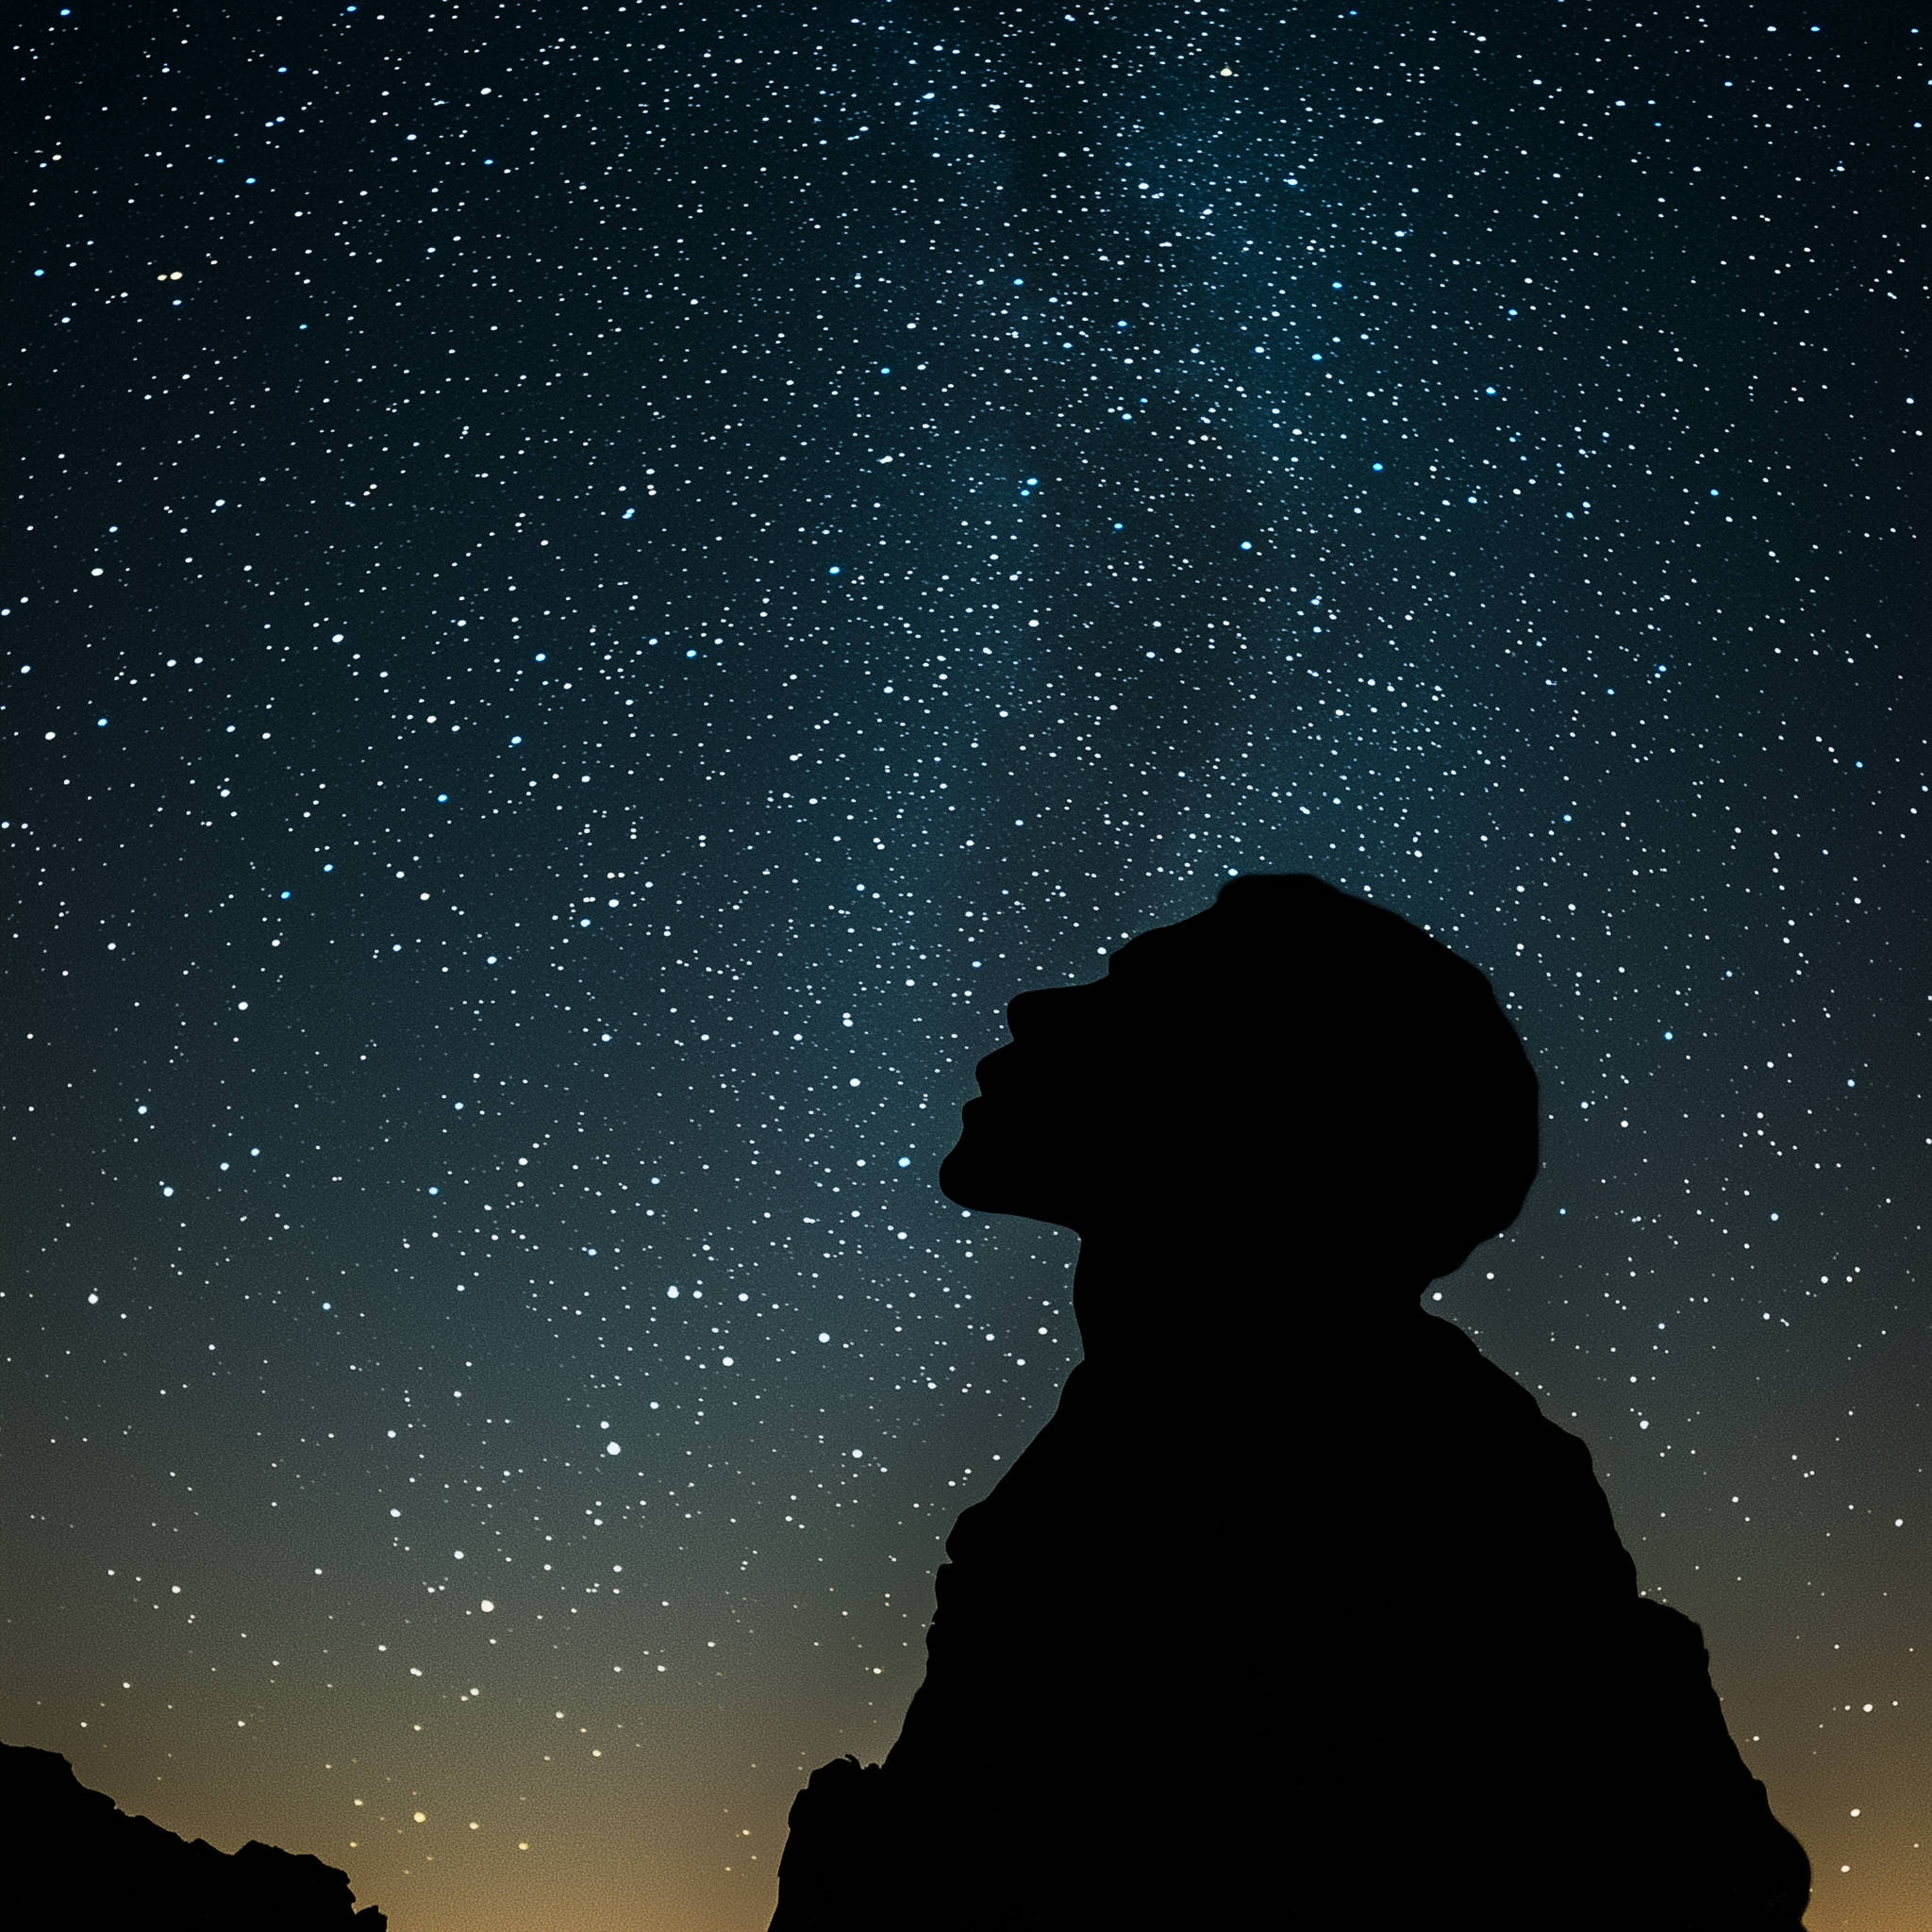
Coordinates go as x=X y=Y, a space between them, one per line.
x=80 y=1862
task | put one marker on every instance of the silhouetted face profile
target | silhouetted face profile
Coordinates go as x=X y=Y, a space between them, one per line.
x=1293 y=1064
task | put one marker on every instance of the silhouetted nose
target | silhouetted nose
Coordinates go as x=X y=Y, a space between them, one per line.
x=1019 y=1011
x=1042 y=1006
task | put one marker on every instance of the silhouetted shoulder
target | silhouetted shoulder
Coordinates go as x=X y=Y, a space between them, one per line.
x=1505 y=1500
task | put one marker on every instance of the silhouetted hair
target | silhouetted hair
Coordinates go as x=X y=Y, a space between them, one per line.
x=1403 y=1088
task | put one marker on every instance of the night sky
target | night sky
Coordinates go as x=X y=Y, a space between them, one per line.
x=591 y=588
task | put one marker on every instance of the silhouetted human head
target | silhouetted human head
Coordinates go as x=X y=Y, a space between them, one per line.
x=1293 y=1064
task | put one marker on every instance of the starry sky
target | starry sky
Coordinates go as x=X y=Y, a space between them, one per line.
x=592 y=587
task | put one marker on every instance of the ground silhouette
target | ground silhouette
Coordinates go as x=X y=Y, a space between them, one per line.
x=79 y=1862
x=1298 y=1610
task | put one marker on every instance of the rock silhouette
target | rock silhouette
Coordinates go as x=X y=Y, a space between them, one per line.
x=1298 y=1610
x=78 y=1861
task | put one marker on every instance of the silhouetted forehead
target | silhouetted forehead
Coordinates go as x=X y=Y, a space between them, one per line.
x=1189 y=946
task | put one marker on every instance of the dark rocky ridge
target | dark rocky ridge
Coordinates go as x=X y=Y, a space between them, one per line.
x=79 y=1861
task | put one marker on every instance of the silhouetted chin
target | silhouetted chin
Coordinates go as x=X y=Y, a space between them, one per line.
x=965 y=1181
x=985 y=1173
x=956 y=1181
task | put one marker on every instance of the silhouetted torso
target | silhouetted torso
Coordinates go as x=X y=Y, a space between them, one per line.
x=1349 y=1638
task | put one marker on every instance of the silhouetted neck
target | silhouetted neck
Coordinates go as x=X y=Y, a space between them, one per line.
x=1153 y=1297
